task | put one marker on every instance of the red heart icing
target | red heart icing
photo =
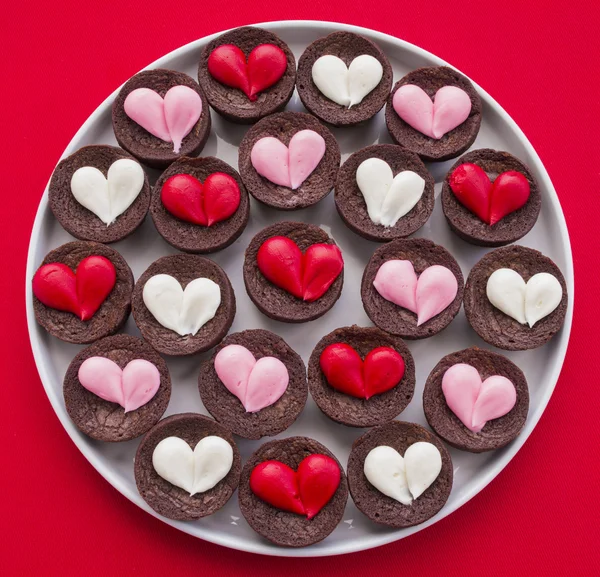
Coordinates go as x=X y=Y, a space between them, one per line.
x=491 y=202
x=305 y=491
x=201 y=203
x=345 y=371
x=82 y=292
x=307 y=276
x=266 y=64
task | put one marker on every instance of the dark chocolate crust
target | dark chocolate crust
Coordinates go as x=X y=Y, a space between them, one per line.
x=275 y=302
x=106 y=421
x=513 y=226
x=346 y=46
x=283 y=126
x=228 y=409
x=185 y=268
x=147 y=148
x=232 y=103
x=396 y=320
x=113 y=312
x=491 y=324
x=190 y=237
x=452 y=144
x=281 y=527
x=350 y=410
x=167 y=499
x=78 y=220
x=381 y=508
x=351 y=205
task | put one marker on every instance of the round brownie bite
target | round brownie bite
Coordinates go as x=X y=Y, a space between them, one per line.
x=498 y=328
x=177 y=321
x=515 y=198
x=282 y=527
x=277 y=302
x=498 y=431
x=377 y=217
x=80 y=198
x=147 y=105
x=109 y=403
x=289 y=160
x=346 y=406
x=453 y=142
x=273 y=392
x=82 y=292
x=170 y=500
x=384 y=509
x=423 y=255
x=208 y=191
x=247 y=73
x=370 y=78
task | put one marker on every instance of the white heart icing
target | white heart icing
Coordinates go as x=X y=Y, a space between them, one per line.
x=108 y=197
x=182 y=311
x=527 y=303
x=388 y=197
x=194 y=471
x=346 y=86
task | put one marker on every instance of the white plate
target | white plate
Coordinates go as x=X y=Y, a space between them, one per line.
x=471 y=472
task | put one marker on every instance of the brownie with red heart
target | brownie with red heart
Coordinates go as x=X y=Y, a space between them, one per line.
x=247 y=73
x=82 y=292
x=293 y=491
x=490 y=198
x=293 y=272
x=200 y=205
x=360 y=376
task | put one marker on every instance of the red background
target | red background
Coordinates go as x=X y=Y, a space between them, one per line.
x=61 y=59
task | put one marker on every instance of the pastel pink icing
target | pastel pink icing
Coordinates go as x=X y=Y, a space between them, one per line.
x=257 y=384
x=450 y=107
x=475 y=402
x=289 y=165
x=426 y=296
x=131 y=387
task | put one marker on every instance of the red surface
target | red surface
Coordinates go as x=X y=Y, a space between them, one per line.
x=539 y=517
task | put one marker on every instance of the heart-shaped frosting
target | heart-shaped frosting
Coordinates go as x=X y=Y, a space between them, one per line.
x=182 y=311
x=388 y=197
x=404 y=479
x=194 y=471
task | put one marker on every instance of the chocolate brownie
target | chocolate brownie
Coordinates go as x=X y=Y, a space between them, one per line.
x=147 y=148
x=396 y=320
x=164 y=497
x=232 y=103
x=491 y=324
x=227 y=408
x=453 y=143
x=274 y=301
x=184 y=268
x=350 y=410
x=110 y=316
x=284 y=126
x=196 y=238
x=78 y=220
x=381 y=508
x=351 y=205
x=105 y=420
x=346 y=46
x=282 y=527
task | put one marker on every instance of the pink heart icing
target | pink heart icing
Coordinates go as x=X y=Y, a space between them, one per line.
x=475 y=402
x=131 y=387
x=170 y=118
x=426 y=296
x=450 y=107
x=288 y=165
x=257 y=384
